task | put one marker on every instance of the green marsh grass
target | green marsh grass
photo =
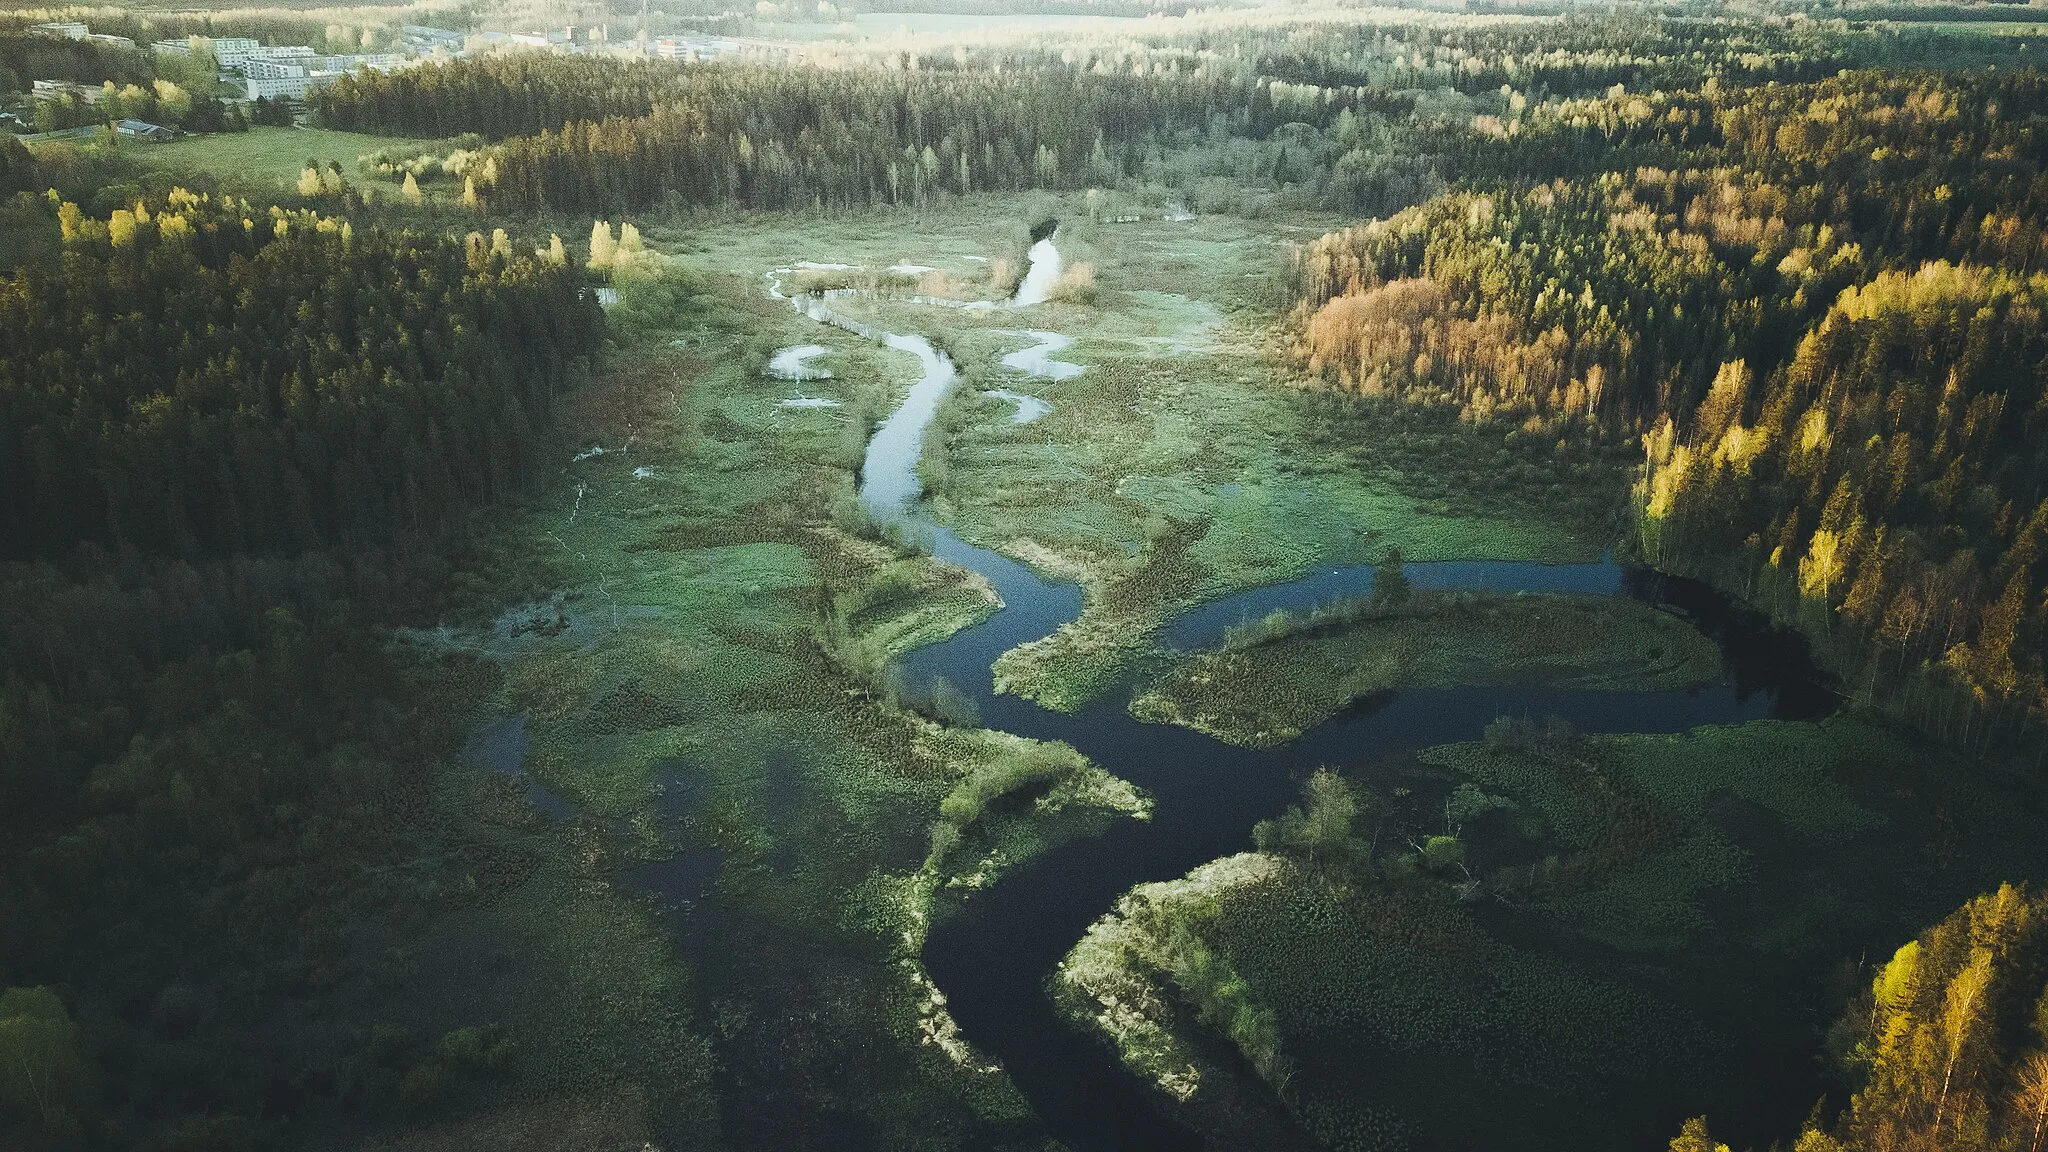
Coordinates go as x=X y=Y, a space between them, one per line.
x=1272 y=681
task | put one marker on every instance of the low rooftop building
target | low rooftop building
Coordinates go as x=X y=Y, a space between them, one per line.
x=58 y=89
x=143 y=130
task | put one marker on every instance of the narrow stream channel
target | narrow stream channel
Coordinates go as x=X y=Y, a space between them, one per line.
x=992 y=955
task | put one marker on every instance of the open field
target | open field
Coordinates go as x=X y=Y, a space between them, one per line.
x=270 y=158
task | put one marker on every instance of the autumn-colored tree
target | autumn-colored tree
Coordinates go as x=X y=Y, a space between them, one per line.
x=1947 y=1051
x=2029 y=1101
x=1693 y=1137
x=604 y=249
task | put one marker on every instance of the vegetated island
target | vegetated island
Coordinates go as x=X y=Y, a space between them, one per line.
x=1273 y=680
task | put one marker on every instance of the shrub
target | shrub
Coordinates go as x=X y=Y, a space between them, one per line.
x=1319 y=832
x=1076 y=285
x=1017 y=771
x=1443 y=853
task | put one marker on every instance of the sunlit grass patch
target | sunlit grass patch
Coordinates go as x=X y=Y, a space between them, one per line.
x=1084 y=658
x=718 y=586
x=273 y=157
x=1011 y=799
x=930 y=615
x=1119 y=981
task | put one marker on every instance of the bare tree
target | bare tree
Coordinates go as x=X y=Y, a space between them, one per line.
x=2030 y=1096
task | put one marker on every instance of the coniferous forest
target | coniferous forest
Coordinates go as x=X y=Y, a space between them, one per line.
x=1815 y=314
x=975 y=575
x=214 y=379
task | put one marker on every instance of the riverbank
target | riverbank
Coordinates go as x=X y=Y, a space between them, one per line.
x=1168 y=470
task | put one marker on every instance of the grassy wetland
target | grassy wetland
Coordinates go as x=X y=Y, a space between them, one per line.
x=699 y=657
x=719 y=705
x=1271 y=681
x=713 y=824
x=1161 y=476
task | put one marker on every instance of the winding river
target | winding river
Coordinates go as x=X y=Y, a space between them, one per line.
x=1040 y=274
x=991 y=955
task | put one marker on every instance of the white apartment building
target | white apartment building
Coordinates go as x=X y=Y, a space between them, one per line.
x=295 y=87
x=280 y=52
x=231 y=51
x=228 y=51
x=295 y=76
x=272 y=87
x=260 y=68
x=243 y=54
